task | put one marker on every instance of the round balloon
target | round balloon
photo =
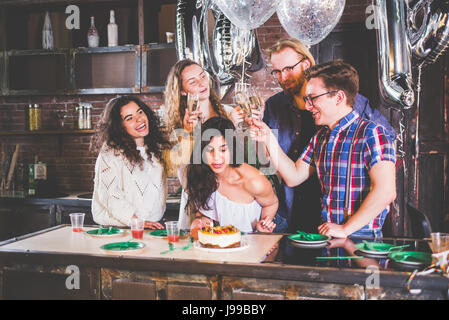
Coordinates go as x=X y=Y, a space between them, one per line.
x=247 y=14
x=309 y=20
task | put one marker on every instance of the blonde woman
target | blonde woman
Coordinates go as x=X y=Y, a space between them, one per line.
x=185 y=77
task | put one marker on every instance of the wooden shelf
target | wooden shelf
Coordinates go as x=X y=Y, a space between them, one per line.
x=45 y=132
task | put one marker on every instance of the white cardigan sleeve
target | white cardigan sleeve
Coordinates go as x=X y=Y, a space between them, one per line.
x=109 y=204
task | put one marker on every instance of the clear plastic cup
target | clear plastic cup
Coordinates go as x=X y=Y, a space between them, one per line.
x=172 y=231
x=137 y=227
x=170 y=37
x=77 y=220
x=440 y=242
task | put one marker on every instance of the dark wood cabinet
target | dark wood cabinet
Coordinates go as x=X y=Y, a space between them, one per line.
x=126 y=285
x=50 y=283
x=72 y=68
x=106 y=70
x=157 y=60
x=19 y=217
x=18 y=220
x=36 y=72
x=62 y=214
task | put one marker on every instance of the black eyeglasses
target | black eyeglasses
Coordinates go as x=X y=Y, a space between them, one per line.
x=309 y=99
x=277 y=73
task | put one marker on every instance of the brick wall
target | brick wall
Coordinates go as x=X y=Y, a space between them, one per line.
x=73 y=168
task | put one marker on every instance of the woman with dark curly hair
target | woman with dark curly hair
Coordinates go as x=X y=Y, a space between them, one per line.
x=130 y=178
x=222 y=190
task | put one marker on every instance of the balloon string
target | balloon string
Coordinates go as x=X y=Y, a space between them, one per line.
x=418 y=102
x=401 y=153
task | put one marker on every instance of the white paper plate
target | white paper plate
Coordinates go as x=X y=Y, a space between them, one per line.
x=243 y=246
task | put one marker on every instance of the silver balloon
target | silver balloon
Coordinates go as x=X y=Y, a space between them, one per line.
x=428 y=29
x=309 y=20
x=247 y=14
x=242 y=44
x=187 y=13
x=394 y=54
x=206 y=35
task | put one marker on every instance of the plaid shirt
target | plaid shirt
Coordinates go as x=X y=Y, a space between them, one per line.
x=328 y=151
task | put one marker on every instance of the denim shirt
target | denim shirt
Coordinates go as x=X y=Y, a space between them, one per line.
x=301 y=205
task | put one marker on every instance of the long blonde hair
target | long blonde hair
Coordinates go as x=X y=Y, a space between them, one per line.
x=176 y=104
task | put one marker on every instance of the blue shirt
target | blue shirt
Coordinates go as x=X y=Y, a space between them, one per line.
x=301 y=205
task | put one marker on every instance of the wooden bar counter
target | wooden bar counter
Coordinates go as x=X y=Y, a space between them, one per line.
x=57 y=263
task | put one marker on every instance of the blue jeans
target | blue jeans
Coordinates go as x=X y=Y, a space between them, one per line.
x=281 y=223
x=367 y=234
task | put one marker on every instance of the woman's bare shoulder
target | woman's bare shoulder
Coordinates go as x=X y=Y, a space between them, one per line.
x=253 y=180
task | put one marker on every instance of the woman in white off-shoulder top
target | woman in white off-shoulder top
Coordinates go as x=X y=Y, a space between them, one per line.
x=223 y=190
x=130 y=178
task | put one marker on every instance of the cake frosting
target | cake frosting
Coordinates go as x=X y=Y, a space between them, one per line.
x=220 y=237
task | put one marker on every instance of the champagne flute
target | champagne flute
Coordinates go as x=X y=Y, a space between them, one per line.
x=254 y=98
x=193 y=102
x=241 y=100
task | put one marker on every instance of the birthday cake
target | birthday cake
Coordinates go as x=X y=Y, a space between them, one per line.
x=220 y=237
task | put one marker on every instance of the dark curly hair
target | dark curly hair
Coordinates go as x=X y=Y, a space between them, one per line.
x=201 y=180
x=111 y=132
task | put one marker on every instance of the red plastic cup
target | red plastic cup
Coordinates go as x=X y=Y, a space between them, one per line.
x=137 y=227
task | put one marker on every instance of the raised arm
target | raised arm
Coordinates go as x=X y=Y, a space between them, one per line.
x=293 y=173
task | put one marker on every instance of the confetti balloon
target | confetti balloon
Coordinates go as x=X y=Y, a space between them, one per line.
x=247 y=14
x=309 y=20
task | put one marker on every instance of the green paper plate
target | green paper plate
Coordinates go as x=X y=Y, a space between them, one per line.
x=374 y=247
x=163 y=233
x=308 y=238
x=123 y=246
x=105 y=232
x=411 y=257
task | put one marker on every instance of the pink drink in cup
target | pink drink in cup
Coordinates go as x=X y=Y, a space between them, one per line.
x=172 y=231
x=137 y=226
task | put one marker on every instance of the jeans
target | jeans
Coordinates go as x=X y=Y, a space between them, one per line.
x=367 y=234
x=281 y=223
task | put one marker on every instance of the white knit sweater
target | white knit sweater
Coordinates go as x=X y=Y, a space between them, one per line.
x=122 y=190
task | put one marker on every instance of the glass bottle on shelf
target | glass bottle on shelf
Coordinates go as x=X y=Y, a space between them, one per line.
x=37 y=117
x=92 y=34
x=31 y=118
x=112 y=31
x=47 y=33
x=81 y=121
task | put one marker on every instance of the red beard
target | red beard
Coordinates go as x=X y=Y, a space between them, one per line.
x=293 y=87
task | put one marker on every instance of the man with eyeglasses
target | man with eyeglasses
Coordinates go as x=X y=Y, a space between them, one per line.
x=353 y=157
x=285 y=112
